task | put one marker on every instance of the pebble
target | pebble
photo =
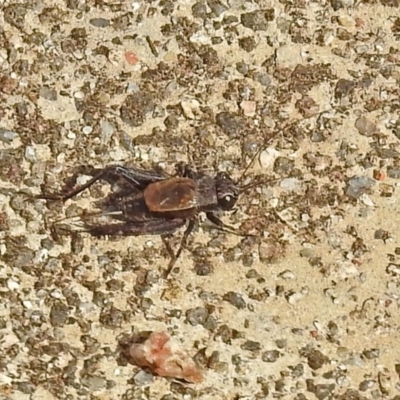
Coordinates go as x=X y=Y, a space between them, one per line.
x=262 y=78
x=393 y=172
x=346 y=20
x=365 y=199
x=107 y=129
x=83 y=179
x=48 y=94
x=294 y=297
x=94 y=383
x=268 y=157
x=87 y=130
x=71 y=135
x=270 y=356
x=79 y=95
x=143 y=378
x=365 y=126
x=200 y=38
x=197 y=316
x=287 y=275
x=99 y=22
x=30 y=154
x=248 y=108
x=358 y=185
x=8 y=136
x=12 y=285
x=191 y=108
x=290 y=184
x=27 y=304
x=255 y=20
x=235 y=299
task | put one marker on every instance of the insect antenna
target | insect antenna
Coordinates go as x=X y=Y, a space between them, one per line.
x=262 y=148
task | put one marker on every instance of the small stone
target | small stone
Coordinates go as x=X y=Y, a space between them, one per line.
x=87 y=130
x=268 y=157
x=7 y=136
x=197 y=316
x=393 y=172
x=48 y=94
x=291 y=184
x=27 y=304
x=338 y=4
x=191 y=108
x=216 y=7
x=294 y=297
x=143 y=378
x=99 y=22
x=342 y=352
x=371 y=354
x=79 y=95
x=30 y=154
x=231 y=124
x=248 y=108
x=316 y=359
x=12 y=285
x=287 y=275
x=283 y=165
x=365 y=126
x=366 y=385
x=59 y=314
x=358 y=186
x=365 y=199
x=324 y=391
x=270 y=356
x=346 y=20
x=344 y=88
x=164 y=357
x=235 y=299
x=94 y=383
x=256 y=20
x=107 y=129
x=199 y=10
x=250 y=345
x=262 y=78
x=270 y=252
x=170 y=57
x=242 y=68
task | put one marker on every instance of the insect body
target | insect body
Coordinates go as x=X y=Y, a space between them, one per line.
x=151 y=203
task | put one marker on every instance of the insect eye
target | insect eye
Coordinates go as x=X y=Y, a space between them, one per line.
x=227 y=202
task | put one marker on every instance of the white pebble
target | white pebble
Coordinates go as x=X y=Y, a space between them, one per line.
x=293 y=298
x=268 y=157
x=30 y=153
x=83 y=179
x=248 y=107
x=87 y=130
x=12 y=285
x=71 y=135
x=79 y=95
x=27 y=304
x=190 y=108
x=365 y=199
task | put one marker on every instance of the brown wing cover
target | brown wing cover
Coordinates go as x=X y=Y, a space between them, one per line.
x=171 y=194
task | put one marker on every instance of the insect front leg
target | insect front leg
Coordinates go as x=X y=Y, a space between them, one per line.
x=224 y=227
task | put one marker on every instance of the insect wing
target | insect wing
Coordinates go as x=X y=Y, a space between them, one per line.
x=172 y=194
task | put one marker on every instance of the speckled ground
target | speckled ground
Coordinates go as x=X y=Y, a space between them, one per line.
x=308 y=307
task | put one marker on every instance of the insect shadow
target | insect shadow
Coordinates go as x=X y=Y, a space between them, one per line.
x=150 y=202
